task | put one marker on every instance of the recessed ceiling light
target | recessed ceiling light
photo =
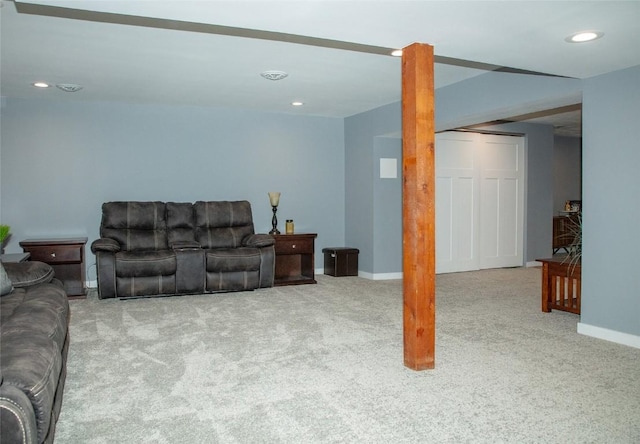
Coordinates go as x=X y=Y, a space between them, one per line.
x=41 y=84
x=69 y=87
x=297 y=103
x=274 y=75
x=584 y=36
x=396 y=53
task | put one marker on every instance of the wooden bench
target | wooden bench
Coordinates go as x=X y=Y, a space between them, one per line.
x=561 y=285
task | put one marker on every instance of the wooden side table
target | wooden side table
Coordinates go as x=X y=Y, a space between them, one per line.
x=561 y=285
x=14 y=257
x=295 y=259
x=66 y=257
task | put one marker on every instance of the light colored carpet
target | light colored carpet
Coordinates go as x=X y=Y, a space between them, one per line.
x=324 y=364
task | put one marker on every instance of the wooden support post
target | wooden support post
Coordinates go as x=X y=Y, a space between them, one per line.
x=418 y=207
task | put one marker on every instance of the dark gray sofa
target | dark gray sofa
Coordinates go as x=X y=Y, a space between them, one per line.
x=34 y=325
x=172 y=248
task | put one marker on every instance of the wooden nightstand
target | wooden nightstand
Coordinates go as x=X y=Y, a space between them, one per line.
x=14 y=257
x=295 y=259
x=66 y=257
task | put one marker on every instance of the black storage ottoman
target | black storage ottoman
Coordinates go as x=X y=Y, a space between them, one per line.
x=340 y=261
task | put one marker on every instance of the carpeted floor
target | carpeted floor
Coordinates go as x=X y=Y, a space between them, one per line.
x=324 y=364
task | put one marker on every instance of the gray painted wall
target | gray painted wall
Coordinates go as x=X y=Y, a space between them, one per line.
x=387 y=208
x=358 y=192
x=62 y=160
x=567 y=171
x=539 y=191
x=610 y=185
x=495 y=95
x=361 y=166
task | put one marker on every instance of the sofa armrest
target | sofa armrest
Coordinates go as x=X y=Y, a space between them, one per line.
x=105 y=244
x=105 y=250
x=185 y=245
x=17 y=418
x=258 y=240
x=26 y=274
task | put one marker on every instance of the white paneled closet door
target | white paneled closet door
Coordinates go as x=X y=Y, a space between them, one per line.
x=501 y=197
x=479 y=201
x=457 y=203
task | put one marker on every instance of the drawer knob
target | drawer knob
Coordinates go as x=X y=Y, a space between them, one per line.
x=53 y=255
x=293 y=246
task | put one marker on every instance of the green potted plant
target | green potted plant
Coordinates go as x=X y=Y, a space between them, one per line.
x=574 y=252
x=4 y=234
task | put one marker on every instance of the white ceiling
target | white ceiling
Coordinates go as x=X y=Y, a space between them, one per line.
x=210 y=53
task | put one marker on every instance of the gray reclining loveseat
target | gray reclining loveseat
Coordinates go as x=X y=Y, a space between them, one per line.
x=158 y=248
x=34 y=343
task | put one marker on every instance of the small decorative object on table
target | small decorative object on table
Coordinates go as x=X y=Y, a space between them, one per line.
x=274 y=199
x=289 y=227
x=575 y=205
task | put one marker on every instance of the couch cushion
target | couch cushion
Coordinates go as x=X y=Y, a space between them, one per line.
x=233 y=259
x=145 y=286
x=135 y=225
x=25 y=274
x=180 y=222
x=233 y=281
x=145 y=263
x=41 y=309
x=222 y=224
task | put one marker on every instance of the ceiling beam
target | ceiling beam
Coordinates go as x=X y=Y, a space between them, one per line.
x=208 y=28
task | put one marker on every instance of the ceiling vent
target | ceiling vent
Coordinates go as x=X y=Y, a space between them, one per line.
x=274 y=75
x=69 y=87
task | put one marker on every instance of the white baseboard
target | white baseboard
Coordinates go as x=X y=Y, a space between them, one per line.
x=533 y=264
x=380 y=276
x=91 y=284
x=609 y=335
x=371 y=276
